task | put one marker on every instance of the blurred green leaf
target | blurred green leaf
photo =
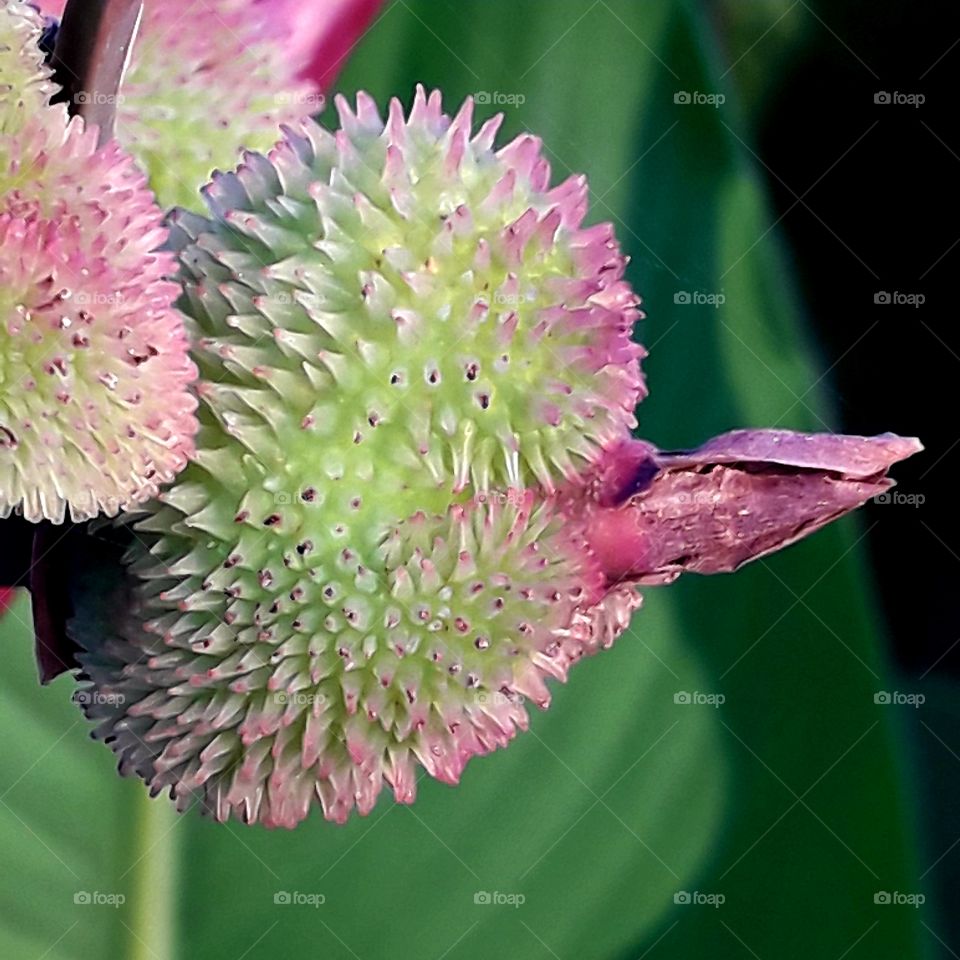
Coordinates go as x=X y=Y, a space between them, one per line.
x=785 y=800
x=86 y=857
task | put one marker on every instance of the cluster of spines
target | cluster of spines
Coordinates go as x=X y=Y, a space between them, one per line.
x=365 y=401
x=95 y=408
x=343 y=681
x=193 y=98
x=443 y=287
x=25 y=84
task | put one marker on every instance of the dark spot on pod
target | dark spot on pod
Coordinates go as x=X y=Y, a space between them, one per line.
x=472 y=369
x=242 y=516
x=461 y=624
x=395 y=379
x=273 y=520
x=265 y=577
x=481 y=642
x=472 y=681
x=498 y=603
x=232 y=560
x=373 y=419
x=483 y=399
x=296 y=594
x=297 y=624
x=305 y=547
x=453 y=668
x=433 y=377
x=309 y=495
x=275 y=606
x=137 y=359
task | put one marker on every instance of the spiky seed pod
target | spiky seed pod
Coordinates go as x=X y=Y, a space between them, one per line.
x=202 y=84
x=95 y=412
x=260 y=691
x=395 y=325
x=412 y=296
x=25 y=85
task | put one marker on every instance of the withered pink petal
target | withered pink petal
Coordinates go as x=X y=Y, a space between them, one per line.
x=839 y=453
x=739 y=497
x=323 y=34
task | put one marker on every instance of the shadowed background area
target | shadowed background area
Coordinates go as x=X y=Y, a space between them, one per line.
x=764 y=764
